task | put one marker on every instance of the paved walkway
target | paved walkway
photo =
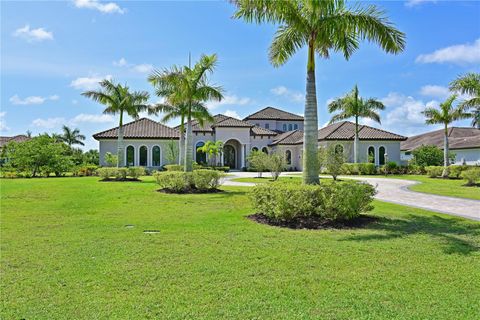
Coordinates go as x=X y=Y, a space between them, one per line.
x=396 y=191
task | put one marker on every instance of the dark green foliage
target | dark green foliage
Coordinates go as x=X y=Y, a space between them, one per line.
x=430 y=155
x=472 y=176
x=359 y=168
x=342 y=201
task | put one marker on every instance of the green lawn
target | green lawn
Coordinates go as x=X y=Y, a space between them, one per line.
x=443 y=187
x=66 y=254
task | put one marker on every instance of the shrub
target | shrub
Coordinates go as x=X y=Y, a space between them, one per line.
x=111 y=160
x=86 y=170
x=472 y=176
x=367 y=168
x=415 y=169
x=121 y=173
x=224 y=168
x=331 y=160
x=456 y=171
x=328 y=201
x=389 y=168
x=258 y=161
x=173 y=167
x=106 y=173
x=174 y=181
x=135 y=172
x=276 y=164
x=434 y=171
x=204 y=180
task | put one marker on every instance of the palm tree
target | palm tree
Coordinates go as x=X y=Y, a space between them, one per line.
x=323 y=27
x=119 y=100
x=469 y=84
x=188 y=87
x=72 y=136
x=351 y=105
x=445 y=115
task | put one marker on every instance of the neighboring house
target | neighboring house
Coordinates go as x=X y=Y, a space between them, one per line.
x=18 y=138
x=146 y=140
x=464 y=142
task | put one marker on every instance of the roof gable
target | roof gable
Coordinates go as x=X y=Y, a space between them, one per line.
x=271 y=113
x=143 y=128
x=458 y=138
x=345 y=130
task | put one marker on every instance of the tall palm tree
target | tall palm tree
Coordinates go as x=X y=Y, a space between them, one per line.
x=188 y=87
x=445 y=115
x=354 y=106
x=469 y=84
x=119 y=100
x=72 y=136
x=322 y=26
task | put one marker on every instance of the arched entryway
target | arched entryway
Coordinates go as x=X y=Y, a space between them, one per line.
x=232 y=154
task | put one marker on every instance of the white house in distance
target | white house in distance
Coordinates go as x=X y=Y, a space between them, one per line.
x=268 y=130
x=463 y=142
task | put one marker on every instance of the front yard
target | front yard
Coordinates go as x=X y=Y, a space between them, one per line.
x=66 y=253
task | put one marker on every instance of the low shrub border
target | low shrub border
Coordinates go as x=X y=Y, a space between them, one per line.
x=198 y=181
x=330 y=202
x=121 y=174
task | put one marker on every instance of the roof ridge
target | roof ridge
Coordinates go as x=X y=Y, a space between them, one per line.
x=364 y=125
x=342 y=123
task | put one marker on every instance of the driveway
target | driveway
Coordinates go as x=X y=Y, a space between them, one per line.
x=396 y=191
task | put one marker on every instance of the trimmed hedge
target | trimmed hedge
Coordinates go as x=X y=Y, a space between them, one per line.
x=335 y=201
x=203 y=180
x=434 y=171
x=472 y=176
x=108 y=173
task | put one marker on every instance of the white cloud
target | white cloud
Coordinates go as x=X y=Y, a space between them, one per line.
x=294 y=96
x=92 y=118
x=110 y=7
x=413 y=3
x=33 y=35
x=32 y=99
x=232 y=113
x=88 y=83
x=48 y=123
x=458 y=54
x=434 y=91
x=142 y=68
x=3 y=124
x=120 y=63
x=229 y=100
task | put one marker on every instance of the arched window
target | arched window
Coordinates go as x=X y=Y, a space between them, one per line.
x=381 y=155
x=255 y=149
x=156 y=156
x=338 y=148
x=143 y=156
x=267 y=125
x=130 y=156
x=371 y=154
x=284 y=127
x=295 y=126
x=200 y=157
x=265 y=150
x=288 y=157
x=290 y=127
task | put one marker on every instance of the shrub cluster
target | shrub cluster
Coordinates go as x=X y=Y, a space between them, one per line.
x=335 y=201
x=359 y=168
x=434 y=171
x=85 y=170
x=259 y=161
x=472 y=176
x=202 y=180
x=178 y=167
x=120 y=174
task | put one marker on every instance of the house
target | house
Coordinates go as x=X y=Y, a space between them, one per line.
x=268 y=130
x=463 y=142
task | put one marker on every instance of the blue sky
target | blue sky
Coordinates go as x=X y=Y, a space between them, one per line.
x=52 y=51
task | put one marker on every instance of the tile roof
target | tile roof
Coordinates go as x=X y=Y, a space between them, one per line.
x=220 y=120
x=270 y=113
x=289 y=137
x=259 y=131
x=345 y=130
x=18 y=138
x=143 y=128
x=458 y=138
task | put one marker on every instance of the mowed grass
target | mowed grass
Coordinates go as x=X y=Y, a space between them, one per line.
x=66 y=254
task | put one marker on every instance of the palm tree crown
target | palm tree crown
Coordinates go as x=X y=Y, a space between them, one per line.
x=469 y=84
x=354 y=106
x=118 y=99
x=72 y=136
x=324 y=27
x=186 y=90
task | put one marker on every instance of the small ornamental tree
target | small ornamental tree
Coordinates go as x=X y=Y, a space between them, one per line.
x=259 y=161
x=111 y=160
x=172 y=153
x=333 y=160
x=276 y=164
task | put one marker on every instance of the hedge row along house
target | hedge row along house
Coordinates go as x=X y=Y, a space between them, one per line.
x=268 y=130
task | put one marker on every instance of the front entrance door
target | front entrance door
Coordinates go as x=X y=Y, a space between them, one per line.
x=229 y=156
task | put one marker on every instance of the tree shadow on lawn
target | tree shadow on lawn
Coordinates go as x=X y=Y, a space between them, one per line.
x=447 y=230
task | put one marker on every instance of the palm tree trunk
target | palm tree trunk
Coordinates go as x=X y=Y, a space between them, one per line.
x=182 y=141
x=445 y=153
x=120 y=152
x=355 y=142
x=188 y=165
x=310 y=135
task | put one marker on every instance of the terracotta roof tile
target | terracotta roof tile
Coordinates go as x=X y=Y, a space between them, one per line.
x=345 y=130
x=289 y=137
x=270 y=113
x=140 y=129
x=259 y=131
x=458 y=138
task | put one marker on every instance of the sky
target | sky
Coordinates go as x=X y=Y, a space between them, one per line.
x=53 y=51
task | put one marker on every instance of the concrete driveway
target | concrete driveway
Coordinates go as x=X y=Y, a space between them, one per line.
x=396 y=191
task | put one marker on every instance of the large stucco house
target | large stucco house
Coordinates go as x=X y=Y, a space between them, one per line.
x=463 y=142
x=268 y=130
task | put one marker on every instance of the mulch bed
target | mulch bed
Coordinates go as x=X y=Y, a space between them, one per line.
x=315 y=223
x=189 y=191
x=121 y=180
